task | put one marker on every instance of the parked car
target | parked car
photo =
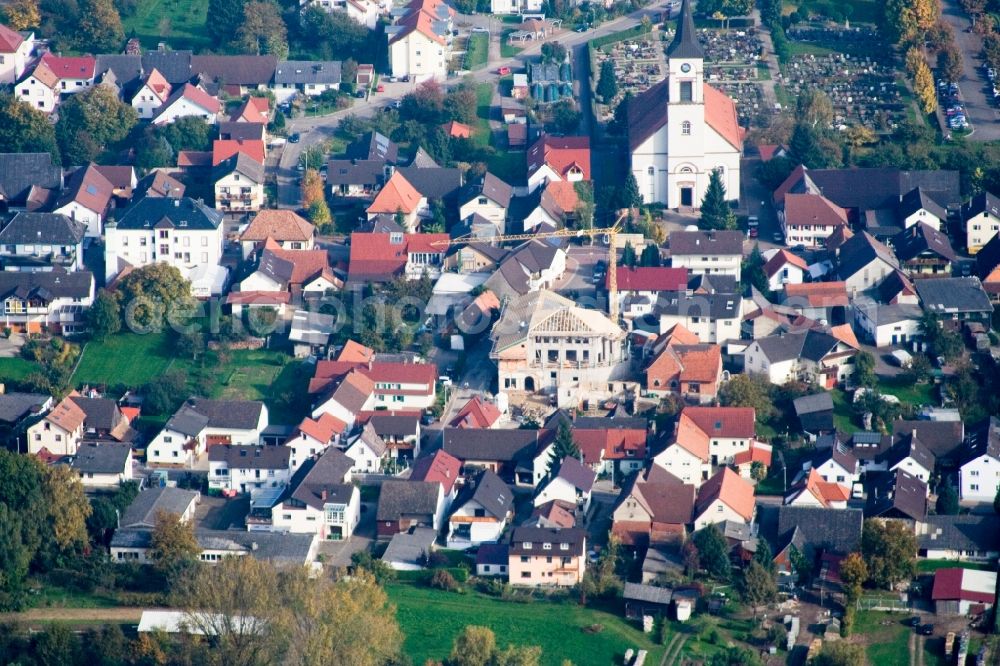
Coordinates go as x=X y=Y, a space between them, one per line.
x=360 y=94
x=926 y=630
x=380 y=88
x=913 y=621
x=503 y=71
x=294 y=138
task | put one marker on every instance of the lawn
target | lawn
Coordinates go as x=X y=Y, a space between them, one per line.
x=179 y=23
x=930 y=566
x=508 y=50
x=908 y=392
x=863 y=11
x=430 y=620
x=129 y=359
x=47 y=595
x=886 y=637
x=478 y=50
x=484 y=104
x=843 y=413
x=16 y=368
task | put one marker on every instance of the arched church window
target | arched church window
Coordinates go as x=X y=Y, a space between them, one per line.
x=686 y=170
x=686 y=128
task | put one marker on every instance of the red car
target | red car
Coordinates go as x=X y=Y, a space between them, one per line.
x=380 y=88
x=503 y=71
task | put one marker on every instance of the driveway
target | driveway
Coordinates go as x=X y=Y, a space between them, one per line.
x=337 y=554
x=979 y=108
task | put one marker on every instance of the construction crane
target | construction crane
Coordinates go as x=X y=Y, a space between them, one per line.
x=610 y=234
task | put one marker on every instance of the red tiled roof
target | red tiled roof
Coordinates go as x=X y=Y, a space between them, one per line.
x=561 y=153
x=731 y=422
x=223 y=149
x=355 y=352
x=457 y=130
x=732 y=489
x=79 y=67
x=418 y=21
x=823 y=294
x=557 y=512
x=9 y=40
x=720 y=114
x=825 y=491
x=650 y=278
x=561 y=193
x=194 y=158
x=678 y=334
x=691 y=438
x=67 y=414
x=402 y=373
x=767 y=151
x=782 y=257
x=201 y=98
x=322 y=429
x=281 y=225
x=396 y=195
x=253 y=110
x=374 y=256
x=797 y=174
x=158 y=84
x=442 y=467
x=258 y=298
x=845 y=334
x=813 y=209
x=757 y=452
x=476 y=414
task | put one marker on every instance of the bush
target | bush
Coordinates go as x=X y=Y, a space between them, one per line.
x=442 y=580
x=777 y=634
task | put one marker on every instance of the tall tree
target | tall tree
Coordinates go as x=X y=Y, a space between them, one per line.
x=889 y=549
x=854 y=574
x=224 y=18
x=628 y=255
x=461 y=104
x=262 y=30
x=752 y=272
x=563 y=447
x=807 y=147
x=650 y=255
x=631 y=197
x=151 y=293
x=22 y=14
x=748 y=391
x=713 y=552
x=949 y=62
x=68 y=508
x=100 y=27
x=716 y=213
x=173 y=546
x=90 y=122
x=607 y=83
x=759 y=586
x=864 y=370
x=814 y=108
x=947 y=501
x=24 y=129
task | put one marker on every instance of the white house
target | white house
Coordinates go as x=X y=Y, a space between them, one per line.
x=489 y=200
x=558 y=159
x=104 y=465
x=982 y=220
x=888 y=325
x=15 y=52
x=836 y=464
x=313 y=437
x=863 y=262
x=180 y=232
x=59 y=432
x=815 y=492
x=707 y=252
x=809 y=219
x=516 y=6
x=239 y=183
x=154 y=93
x=40 y=89
x=368 y=451
x=86 y=199
x=189 y=100
x=380 y=385
x=573 y=483
x=53 y=301
x=682 y=129
x=42 y=242
x=243 y=469
x=916 y=207
x=312 y=78
x=713 y=318
x=784 y=268
x=979 y=475
x=323 y=502
x=201 y=422
x=686 y=459
x=417 y=49
x=811 y=356
x=725 y=496
x=483 y=515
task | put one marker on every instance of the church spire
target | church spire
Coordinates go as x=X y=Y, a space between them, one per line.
x=685 y=44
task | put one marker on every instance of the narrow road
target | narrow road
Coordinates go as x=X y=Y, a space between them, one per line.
x=97 y=615
x=979 y=108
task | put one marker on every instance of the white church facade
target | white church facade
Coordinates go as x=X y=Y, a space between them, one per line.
x=682 y=129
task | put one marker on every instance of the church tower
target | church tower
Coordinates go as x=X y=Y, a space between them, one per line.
x=686 y=138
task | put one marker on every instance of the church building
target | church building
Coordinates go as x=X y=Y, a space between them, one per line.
x=682 y=129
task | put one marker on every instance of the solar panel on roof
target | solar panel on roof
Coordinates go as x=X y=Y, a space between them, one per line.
x=864 y=437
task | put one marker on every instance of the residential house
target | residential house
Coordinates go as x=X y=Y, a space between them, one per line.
x=215 y=545
x=398 y=196
x=59 y=432
x=611 y=446
x=489 y=199
x=955 y=299
x=639 y=288
x=864 y=262
x=439 y=467
x=491 y=560
x=180 y=232
x=184 y=101
x=300 y=272
x=482 y=512
x=105 y=421
x=511 y=453
x=313 y=437
x=16 y=408
x=15 y=53
x=653 y=509
x=944 y=439
x=33 y=242
x=918 y=207
x=922 y=250
x=103 y=466
x=544 y=557
x=306 y=77
x=707 y=252
x=285 y=227
x=369 y=451
x=347 y=389
x=419 y=47
x=380 y=257
x=26 y=179
x=356 y=178
x=784 y=268
x=979 y=473
x=239 y=183
x=888 y=325
x=320 y=499
x=404 y=505
x=683 y=366
x=477 y=413
x=400 y=432
x=86 y=199
x=545 y=342
x=809 y=219
x=557 y=206
x=812 y=356
x=908 y=453
x=236 y=75
x=897 y=289
x=819 y=301
x=896 y=494
x=729 y=430
x=407 y=551
x=725 y=496
x=809 y=530
x=456 y=130
x=515 y=6
x=133 y=537
x=712 y=317
x=532 y=266
x=554 y=158
x=40 y=88
x=966 y=537
x=815 y=491
x=572 y=483
x=815 y=413
x=981 y=218
x=153 y=93
x=554 y=514
x=243 y=469
x=53 y=301
x=123 y=181
x=201 y=423
x=963 y=591
x=746 y=462
x=158 y=183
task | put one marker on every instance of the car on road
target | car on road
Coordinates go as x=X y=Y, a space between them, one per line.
x=753 y=225
x=926 y=630
x=360 y=94
x=294 y=137
x=583 y=28
x=380 y=88
x=503 y=71
x=778 y=237
x=396 y=104
x=913 y=621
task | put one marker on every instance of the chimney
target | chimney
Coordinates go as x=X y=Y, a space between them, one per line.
x=323 y=494
x=177 y=203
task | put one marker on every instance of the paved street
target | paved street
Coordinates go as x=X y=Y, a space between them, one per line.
x=980 y=111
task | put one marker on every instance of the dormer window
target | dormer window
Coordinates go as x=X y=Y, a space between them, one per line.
x=396 y=238
x=564 y=546
x=546 y=546
x=527 y=545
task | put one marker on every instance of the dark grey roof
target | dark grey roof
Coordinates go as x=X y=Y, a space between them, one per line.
x=916 y=199
x=706 y=243
x=307 y=71
x=394 y=425
x=492 y=188
x=356 y=172
x=422 y=159
x=237 y=131
x=409 y=548
x=833 y=530
x=15 y=406
x=187 y=421
x=963 y=532
x=132 y=538
x=440 y=183
x=577 y=474
x=685 y=43
x=46 y=285
x=127 y=69
x=867 y=189
x=104 y=458
x=143 y=510
x=714 y=305
x=713 y=284
x=234 y=414
x=160 y=184
x=981 y=203
x=816 y=402
x=19 y=171
x=614 y=423
x=102 y=413
x=896 y=494
x=983 y=440
x=648 y=593
x=953 y=295
x=870 y=445
x=909 y=445
x=183 y=213
x=277 y=547
x=942 y=438
x=492 y=553
x=920 y=239
x=373 y=146
x=175 y=66
x=251 y=457
x=859 y=251
x=812 y=345
x=242 y=163
x=840 y=454
x=407 y=498
x=242 y=70
x=43 y=229
x=327 y=473
x=536 y=536
x=492 y=494
x=494 y=445
x=988 y=257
